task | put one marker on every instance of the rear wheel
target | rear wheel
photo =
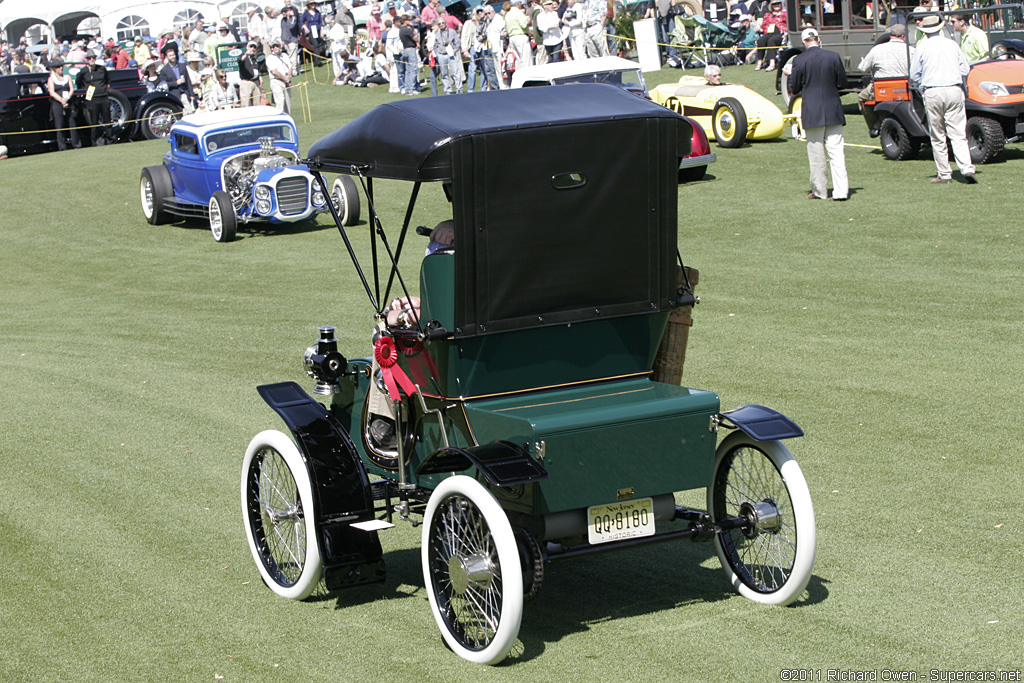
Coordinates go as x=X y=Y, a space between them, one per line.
x=796 y=108
x=223 y=222
x=277 y=506
x=345 y=196
x=119 y=108
x=770 y=559
x=154 y=188
x=896 y=141
x=985 y=138
x=729 y=123
x=472 y=571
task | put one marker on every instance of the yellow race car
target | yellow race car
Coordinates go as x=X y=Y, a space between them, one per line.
x=731 y=114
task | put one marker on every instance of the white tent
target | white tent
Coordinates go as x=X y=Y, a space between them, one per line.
x=119 y=19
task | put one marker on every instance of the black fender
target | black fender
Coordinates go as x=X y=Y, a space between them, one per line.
x=502 y=462
x=341 y=489
x=906 y=114
x=782 y=59
x=1011 y=48
x=760 y=423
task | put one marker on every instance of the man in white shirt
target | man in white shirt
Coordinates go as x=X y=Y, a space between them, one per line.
x=280 y=70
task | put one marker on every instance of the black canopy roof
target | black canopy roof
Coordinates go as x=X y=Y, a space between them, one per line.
x=411 y=139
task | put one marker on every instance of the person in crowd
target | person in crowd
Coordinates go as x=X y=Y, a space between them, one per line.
x=141 y=54
x=374 y=69
x=517 y=27
x=311 y=24
x=410 y=60
x=96 y=82
x=257 y=30
x=973 y=41
x=533 y=12
x=444 y=45
x=575 y=35
x=60 y=89
x=374 y=25
x=484 y=36
x=338 y=41
x=175 y=75
x=121 y=57
x=222 y=94
x=193 y=65
x=819 y=76
x=939 y=67
x=250 y=77
x=151 y=75
x=550 y=25
x=273 y=21
x=884 y=60
x=596 y=18
x=205 y=85
x=280 y=70
x=471 y=48
x=343 y=17
x=495 y=41
x=222 y=37
x=746 y=40
x=773 y=30
x=290 y=33
x=392 y=52
x=196 y=38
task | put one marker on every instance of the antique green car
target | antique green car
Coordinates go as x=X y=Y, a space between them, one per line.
x=513 y=411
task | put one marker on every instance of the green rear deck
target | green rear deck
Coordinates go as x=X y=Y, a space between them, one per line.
x=604 y=442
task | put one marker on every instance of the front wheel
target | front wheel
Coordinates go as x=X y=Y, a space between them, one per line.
x=729 y=123
x=223 y=222
x=345 y=196
x=985 y=138
x=472 y=571
x=277 y=507
x=769 y=559
x=157 y=119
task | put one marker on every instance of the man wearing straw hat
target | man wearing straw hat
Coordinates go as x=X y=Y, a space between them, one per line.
x=939 y=68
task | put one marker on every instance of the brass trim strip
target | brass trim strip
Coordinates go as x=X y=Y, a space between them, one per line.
x=544 y=388
x=573 y=400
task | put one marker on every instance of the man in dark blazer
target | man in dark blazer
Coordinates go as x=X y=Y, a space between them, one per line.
x=175 y=75
x=818 y=76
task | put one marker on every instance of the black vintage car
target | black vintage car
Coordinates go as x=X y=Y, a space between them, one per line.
x=26 y=126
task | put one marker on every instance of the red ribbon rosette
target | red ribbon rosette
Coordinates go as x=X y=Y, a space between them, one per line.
x=386 y=355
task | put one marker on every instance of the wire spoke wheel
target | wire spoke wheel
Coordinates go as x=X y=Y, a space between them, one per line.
x=472 y=571
x=770 y=558
x=276 y=498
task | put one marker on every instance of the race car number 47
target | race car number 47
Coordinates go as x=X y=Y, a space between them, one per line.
x=614 y=522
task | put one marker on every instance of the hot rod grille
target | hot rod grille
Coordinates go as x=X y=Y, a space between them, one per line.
x=292 y=195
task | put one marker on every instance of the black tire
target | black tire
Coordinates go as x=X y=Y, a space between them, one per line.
x=729 y=123
x=345 y=196
x=157 y=119
x=689 y=175
x=154 y=188
x=985 y=138
x=223 y=222
x=897 y=144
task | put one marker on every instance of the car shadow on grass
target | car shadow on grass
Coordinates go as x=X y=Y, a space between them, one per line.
x=579 y=593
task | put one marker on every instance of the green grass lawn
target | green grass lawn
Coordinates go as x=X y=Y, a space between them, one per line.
x=889 y=327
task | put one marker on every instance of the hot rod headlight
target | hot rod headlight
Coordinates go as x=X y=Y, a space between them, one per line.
x=263 y=192
x=994 y=88
x=318 y=198
x=263 y=206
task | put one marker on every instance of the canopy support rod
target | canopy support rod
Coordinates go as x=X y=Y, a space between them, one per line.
x=351 y=252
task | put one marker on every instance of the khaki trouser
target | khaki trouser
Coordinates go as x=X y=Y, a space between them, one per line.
x=948 y=118
x=823 y=140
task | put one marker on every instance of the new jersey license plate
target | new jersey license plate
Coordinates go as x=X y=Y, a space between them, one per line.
x=614 y=522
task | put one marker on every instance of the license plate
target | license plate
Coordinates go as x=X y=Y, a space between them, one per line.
x=614 y=522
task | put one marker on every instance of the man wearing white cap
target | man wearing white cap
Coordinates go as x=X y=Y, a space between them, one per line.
x=819 y=76
x=939 y=68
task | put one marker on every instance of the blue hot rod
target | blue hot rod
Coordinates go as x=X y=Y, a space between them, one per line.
x=238 y=165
